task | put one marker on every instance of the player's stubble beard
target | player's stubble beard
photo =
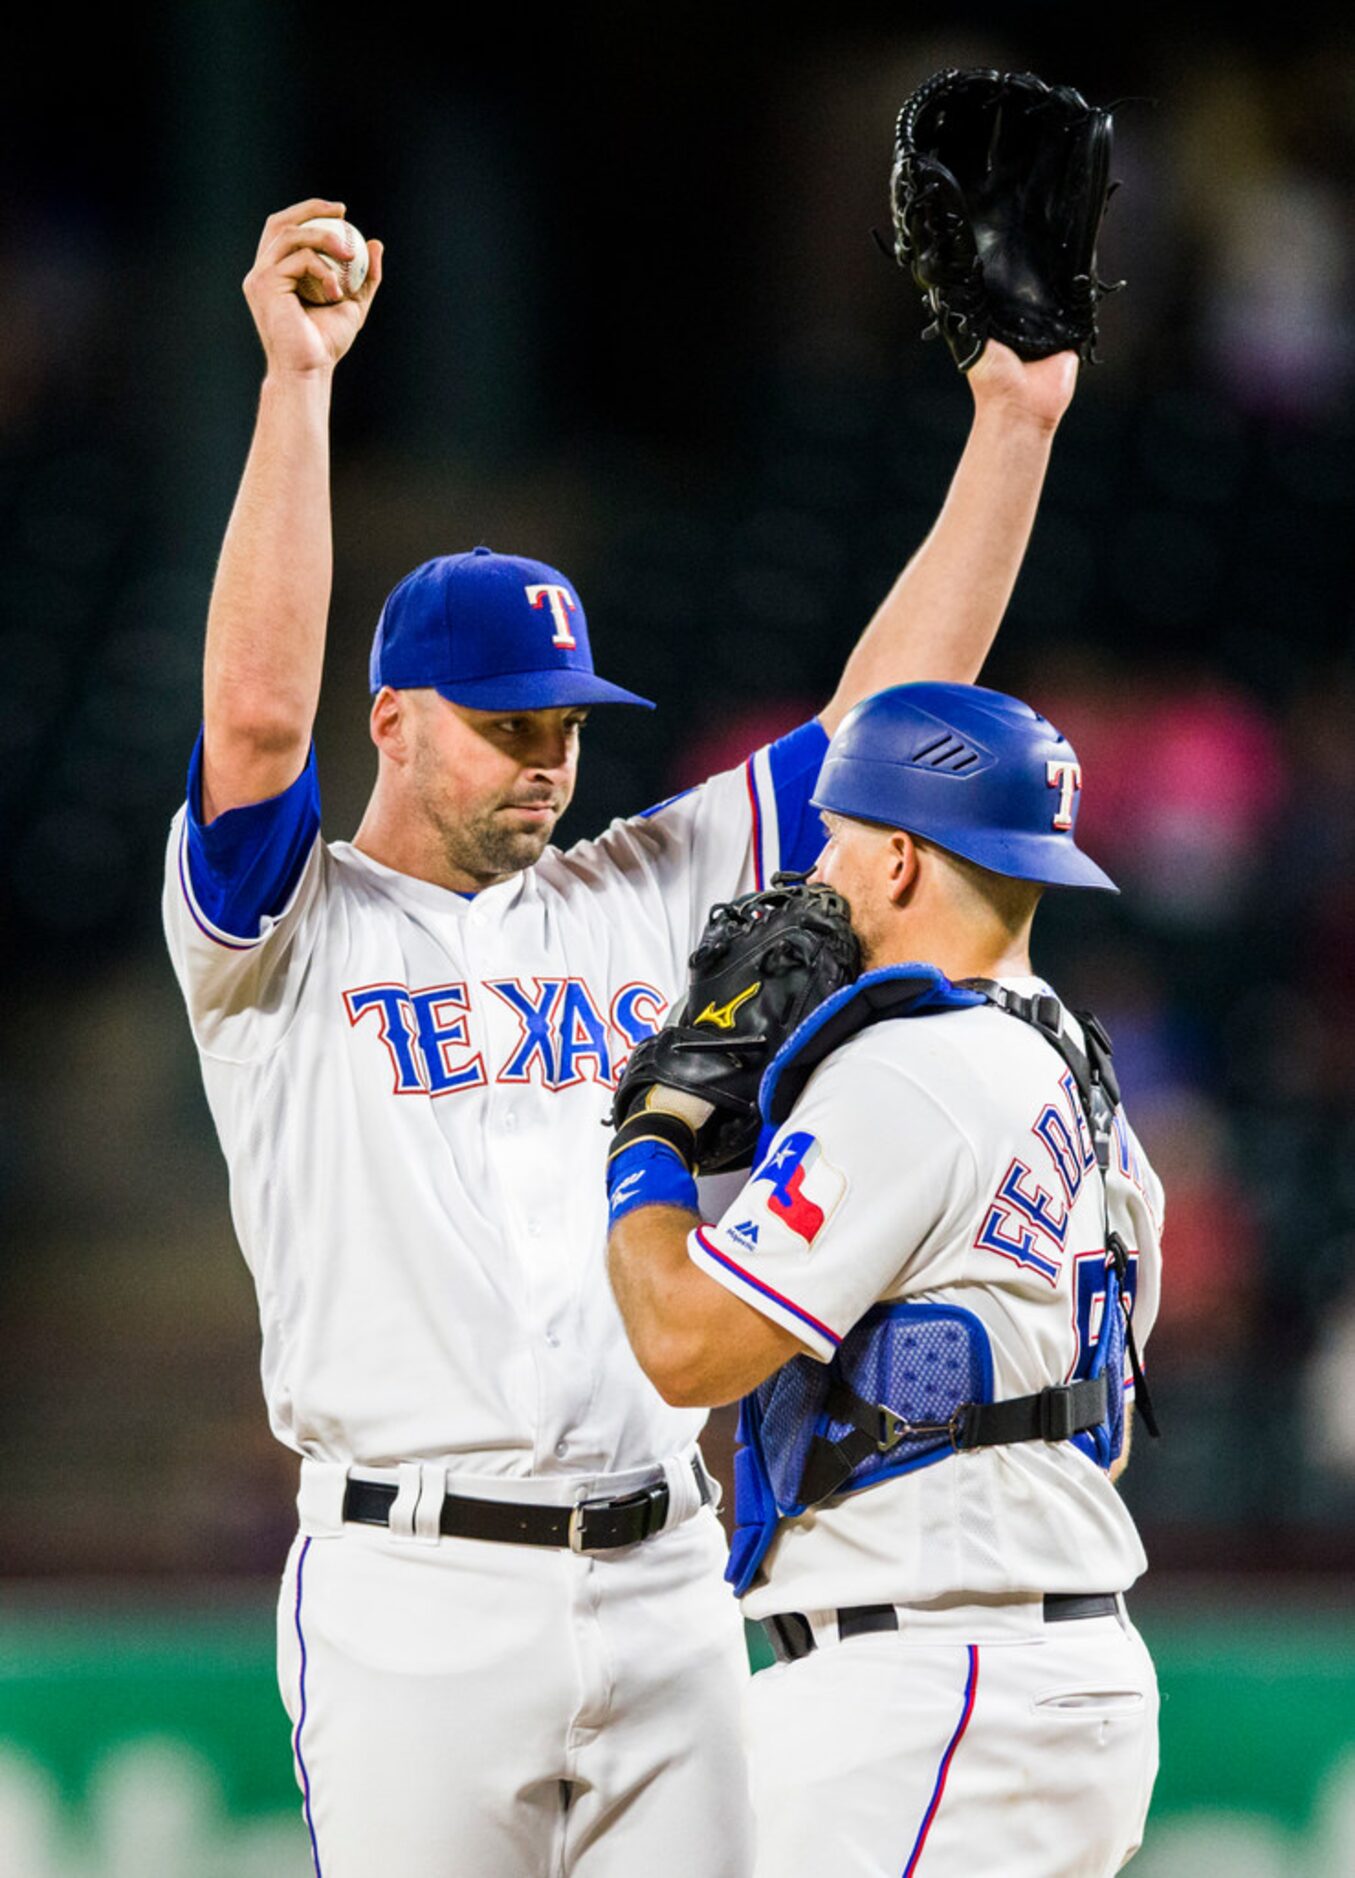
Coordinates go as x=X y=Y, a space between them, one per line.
x=480 y=841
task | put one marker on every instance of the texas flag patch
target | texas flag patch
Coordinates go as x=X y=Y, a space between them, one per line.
x=805 y=1187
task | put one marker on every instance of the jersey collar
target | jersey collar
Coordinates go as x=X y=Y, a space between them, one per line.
x=426 y=893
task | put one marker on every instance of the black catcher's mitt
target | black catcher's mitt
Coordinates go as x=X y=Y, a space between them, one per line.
x=762 y=965
x=1000 y=183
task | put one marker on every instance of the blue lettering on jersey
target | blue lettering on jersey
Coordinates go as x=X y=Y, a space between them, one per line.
x=564 y=1040
x=1129 y=1164
x=439 y=1033
x=637 y=1012
x=538 y=1043
x=1024 y=1222
x=1065 y=1148
x=583 y=1037
x=398 y=1031
x=1005 y=1229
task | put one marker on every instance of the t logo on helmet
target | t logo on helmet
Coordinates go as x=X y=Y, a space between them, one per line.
x=1067 y=779
x=561 y=603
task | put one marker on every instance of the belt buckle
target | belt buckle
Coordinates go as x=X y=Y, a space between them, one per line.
x=578 y=1541
x=643 y=1497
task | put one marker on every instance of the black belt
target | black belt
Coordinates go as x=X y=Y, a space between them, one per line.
x=792 y=1636
x=589 y=1526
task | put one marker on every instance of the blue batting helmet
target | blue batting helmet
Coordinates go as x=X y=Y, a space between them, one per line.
x=978 y=773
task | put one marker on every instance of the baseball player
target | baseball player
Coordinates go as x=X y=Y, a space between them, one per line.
x=503 y=1640
x=921 y=1292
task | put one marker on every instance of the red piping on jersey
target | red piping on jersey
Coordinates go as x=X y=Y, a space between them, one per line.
x=759 y=877
x=747 y=1278
x=971 y=1688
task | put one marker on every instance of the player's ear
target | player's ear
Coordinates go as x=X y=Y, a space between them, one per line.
x=901 y=864
x=389 y=723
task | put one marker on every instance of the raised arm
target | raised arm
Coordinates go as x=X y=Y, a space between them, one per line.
x=942 y=613
x=270 y=602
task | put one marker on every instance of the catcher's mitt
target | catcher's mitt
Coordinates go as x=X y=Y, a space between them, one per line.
x=999 y=186
x=762 y=965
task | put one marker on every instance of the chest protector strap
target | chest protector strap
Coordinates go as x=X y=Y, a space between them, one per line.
x=1054 y=1414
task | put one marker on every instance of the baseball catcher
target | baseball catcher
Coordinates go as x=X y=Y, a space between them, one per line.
x=999 y=187
x=928 y=1293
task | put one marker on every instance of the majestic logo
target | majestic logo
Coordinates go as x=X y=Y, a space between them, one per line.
x=1067 y=779
x=561 y=603
x=805 y=1187
x=745 y=1234
x=722 y=1016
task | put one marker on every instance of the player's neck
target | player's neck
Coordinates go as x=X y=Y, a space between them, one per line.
x=957 y=946
x=408 y=846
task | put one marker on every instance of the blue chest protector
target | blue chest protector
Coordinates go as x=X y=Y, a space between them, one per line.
x=912 y=1384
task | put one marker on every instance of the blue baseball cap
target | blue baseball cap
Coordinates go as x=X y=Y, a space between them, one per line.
x=492 y=631
x=977 y=772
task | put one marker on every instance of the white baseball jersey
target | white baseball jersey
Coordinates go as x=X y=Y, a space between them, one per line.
x=946 y=1159
x=409 y=1086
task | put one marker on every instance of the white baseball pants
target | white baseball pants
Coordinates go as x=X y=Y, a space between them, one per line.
x=466 y=1709
x=985 y=1745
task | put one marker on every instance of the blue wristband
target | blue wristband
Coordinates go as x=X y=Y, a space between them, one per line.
x=649 y=1173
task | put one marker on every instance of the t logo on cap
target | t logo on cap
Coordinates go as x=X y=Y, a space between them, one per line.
x=1067 y=779
x=561 y=603
x=457 y=625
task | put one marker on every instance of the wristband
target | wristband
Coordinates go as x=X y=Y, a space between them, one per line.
x=648 y=1172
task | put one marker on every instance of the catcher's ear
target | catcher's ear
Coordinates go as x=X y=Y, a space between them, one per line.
x=902 y=859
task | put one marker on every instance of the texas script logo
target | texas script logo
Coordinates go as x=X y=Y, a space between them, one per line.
x=433 y=1040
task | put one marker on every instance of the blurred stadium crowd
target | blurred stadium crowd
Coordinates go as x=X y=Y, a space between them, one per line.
x=686 y=375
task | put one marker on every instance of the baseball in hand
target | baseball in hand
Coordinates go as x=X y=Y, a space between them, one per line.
x=351 y=274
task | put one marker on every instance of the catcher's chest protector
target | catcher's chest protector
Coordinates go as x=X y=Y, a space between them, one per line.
x=800 y=1432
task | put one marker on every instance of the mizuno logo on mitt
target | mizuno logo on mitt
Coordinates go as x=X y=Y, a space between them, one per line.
x=722 y=1016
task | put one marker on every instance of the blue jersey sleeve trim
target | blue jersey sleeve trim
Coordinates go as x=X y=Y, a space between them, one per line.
x=793 y=763
x=786 y=831
x=667 y=803
x=243 y=867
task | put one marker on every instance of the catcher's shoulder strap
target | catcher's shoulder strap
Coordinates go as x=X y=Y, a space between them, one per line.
x=1098 y=1090
x=892 y=991
x=1092 y=1067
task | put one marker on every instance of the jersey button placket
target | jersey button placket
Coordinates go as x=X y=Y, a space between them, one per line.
x=526 y=1112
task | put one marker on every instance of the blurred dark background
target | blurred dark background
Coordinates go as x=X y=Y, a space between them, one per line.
x=634 y=323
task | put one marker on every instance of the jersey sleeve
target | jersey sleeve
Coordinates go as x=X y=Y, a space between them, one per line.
x=725 y=837
x=855 y=1187
x=240 y=910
